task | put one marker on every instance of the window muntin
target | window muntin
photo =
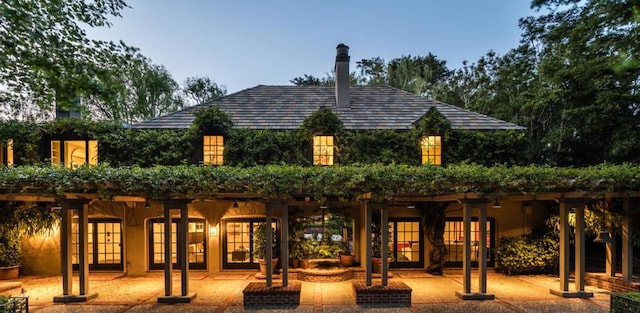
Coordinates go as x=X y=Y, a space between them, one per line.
x=213 y=150
x=196 y=243
x=431 y=147
x=323 y=150
x=6 y=153
x=74 y=153
x=104 y=246
x=454 y=241
x=405 y=243
x=238 y=245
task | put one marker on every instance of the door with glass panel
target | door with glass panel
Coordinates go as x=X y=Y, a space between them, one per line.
x=196 y=243
x=238 y=245
x=405 y=243
x=454 y=241
x=104 y=247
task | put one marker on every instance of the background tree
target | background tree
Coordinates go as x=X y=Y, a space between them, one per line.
x=138 y=90
x=199 y=90
x=47 y=57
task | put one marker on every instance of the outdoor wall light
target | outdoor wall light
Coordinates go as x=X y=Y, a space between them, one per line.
x=411 y=206
x=496 y=204
x=235 y=204
x=213 y=231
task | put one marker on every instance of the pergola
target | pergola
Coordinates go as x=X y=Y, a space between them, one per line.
x=472 y=203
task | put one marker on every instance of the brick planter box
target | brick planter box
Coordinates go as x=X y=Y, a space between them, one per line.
x=614 y=284
x=395 y=292
x=258 y=294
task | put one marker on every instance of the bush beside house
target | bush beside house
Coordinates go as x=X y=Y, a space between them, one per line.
x=527 y=255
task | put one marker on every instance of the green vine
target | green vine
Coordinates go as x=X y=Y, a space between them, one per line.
x=382 y=181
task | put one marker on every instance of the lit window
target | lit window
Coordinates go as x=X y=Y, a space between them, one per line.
x=74 y=153
x=323 y=150
x=6 y=153
x=213 y=150
x=431 y=150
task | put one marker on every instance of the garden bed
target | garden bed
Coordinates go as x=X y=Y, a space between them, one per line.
x=14 y=304
x=625 y=302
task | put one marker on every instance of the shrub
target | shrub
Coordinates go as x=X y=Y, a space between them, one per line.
x=10 y=251
x=527 y=255
x=625 y=302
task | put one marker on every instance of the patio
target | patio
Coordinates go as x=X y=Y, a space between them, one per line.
x=223 y=293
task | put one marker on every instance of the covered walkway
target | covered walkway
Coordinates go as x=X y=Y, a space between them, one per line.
x=223 y=293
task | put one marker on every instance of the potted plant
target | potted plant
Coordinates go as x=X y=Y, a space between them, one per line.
x=260 y=247
x=376 y=250
x=346 y=256
x=10 y=256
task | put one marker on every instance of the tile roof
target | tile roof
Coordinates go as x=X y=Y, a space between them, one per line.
x=285 y=107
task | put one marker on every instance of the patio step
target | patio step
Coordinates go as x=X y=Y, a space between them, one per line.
x=10 y=288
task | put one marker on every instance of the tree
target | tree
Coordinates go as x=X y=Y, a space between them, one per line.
x=139 y=90
x=581 y=45
x=199 y=90
x=46 y=55
x=310 y=80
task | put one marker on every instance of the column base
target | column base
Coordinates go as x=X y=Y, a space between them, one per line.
x=571 y=294
x=74 y=298
x=475 y=296
x=177 y=299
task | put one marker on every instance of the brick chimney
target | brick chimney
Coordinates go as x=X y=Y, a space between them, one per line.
x=342 y=76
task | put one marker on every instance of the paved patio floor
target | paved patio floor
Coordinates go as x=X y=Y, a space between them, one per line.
x=223 y=293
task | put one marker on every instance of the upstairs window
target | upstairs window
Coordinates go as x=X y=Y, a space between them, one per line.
x=6 y=153
x=74 y=153
x=431 y=150
x=213 y=150
x=323 y=148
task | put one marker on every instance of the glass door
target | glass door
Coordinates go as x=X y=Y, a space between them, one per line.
x=104 y=244
x=196 y=244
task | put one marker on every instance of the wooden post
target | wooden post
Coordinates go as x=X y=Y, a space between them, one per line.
x=83 y=255
x=579 y=248
x=627 y=248
x=66 y=242
x=269 y=246
x=168 y=261
x=482 y=245
x=466 y=254
x=285 y=246
x=367 y=254
x=184 y=249
x=384 y=245
x=564 y=246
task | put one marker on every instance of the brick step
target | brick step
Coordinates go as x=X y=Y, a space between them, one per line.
x=10 y=288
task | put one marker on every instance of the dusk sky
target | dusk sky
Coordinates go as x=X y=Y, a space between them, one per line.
x=244 y=43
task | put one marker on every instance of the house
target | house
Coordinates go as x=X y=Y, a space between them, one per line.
x=128 y=233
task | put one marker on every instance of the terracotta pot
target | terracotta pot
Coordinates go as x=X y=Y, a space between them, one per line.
x=346 y=260
x=304 y=263
x=9 y=272
x=376 y=264
x=263 y=265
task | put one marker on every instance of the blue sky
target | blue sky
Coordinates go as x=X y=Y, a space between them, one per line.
x=242 y=43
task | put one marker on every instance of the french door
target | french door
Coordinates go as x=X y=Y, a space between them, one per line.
x=406 y=245
x=104 y=245
x=196 y=243
x=454 y=241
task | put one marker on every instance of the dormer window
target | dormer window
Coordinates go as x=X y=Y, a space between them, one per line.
x=323 y=150
x=6 y=153
x=431 y=150
x=74 y=153
x=213 y=150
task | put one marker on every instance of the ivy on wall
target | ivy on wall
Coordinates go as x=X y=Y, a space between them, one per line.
x=121 y=146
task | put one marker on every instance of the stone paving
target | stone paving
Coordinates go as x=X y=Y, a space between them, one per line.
x=223 y=293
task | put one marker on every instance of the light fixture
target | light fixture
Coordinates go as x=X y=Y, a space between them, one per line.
x=496 y=204
x=411 y=206
x=235 y=204
x=603 y=236
x=213 y=231
x=146 y=204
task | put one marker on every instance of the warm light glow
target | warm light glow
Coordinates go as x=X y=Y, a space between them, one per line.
x=323 y=148
x=74 y=153
x=6 y=155
x=213 y=231
x=213 y=150
x=431 y=150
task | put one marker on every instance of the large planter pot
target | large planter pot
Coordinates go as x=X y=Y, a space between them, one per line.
x=9 y=272
x=346 y=260
x=376 y=264
x=263 y=265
